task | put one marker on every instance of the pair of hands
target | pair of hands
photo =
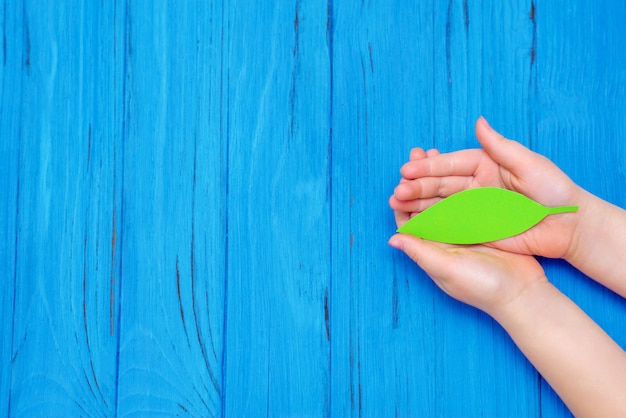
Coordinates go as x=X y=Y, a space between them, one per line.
x=491 y=275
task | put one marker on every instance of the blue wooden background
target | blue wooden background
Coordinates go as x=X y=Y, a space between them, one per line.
x=193 y=199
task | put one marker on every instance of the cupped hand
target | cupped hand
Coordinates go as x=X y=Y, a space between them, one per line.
x=430 y=176
x=484 y=277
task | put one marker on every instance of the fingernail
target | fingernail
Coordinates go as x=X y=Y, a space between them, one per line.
x=396 y=242
x=486 y=122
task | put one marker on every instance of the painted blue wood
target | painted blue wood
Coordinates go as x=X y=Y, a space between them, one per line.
x=11 y=79
x=279 y=236
x=62 y=275
x=402 y=78
x=173 y=217
x=194 y=200
x=581 y=126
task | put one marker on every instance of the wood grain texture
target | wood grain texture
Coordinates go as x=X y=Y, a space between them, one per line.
x=581 y=126
x=64 y=339
x=172 y=284
x=277 y=335
x=389 y=102
x=193 y=203
x=10 y=138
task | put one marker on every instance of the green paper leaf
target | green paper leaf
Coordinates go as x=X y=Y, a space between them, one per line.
x=479 y=215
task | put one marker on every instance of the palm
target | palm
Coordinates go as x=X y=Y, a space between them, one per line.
x=501 y=276
x=552 y=236
x=483 y=277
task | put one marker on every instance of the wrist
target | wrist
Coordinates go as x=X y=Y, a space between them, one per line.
x=522 y=307
x=589 y=208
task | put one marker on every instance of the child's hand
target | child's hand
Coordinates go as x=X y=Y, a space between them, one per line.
x=486 y=278
x=401 y=215
x=431 y=176
x=581 y=362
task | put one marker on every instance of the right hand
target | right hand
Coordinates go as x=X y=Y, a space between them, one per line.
x=430 y=177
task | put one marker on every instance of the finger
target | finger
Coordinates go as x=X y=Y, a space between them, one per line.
x=429 y=187
x=458 y=163
x=401 y=217
x=417 y=154
x=403 y=211
x=432 y=258
x=445 y=264
x=410 y=207
x=508 y=153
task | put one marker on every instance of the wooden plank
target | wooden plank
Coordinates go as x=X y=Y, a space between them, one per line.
x=11 y=76
x=581 y=124
x=277 y=331
x=380 y=346
x=64 y=339
x=174 y=211
x=401 y=78
x=481 y=372
x=494 y=76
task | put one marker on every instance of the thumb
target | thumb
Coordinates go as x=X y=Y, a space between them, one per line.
x=434 y=260
x=508 y=153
